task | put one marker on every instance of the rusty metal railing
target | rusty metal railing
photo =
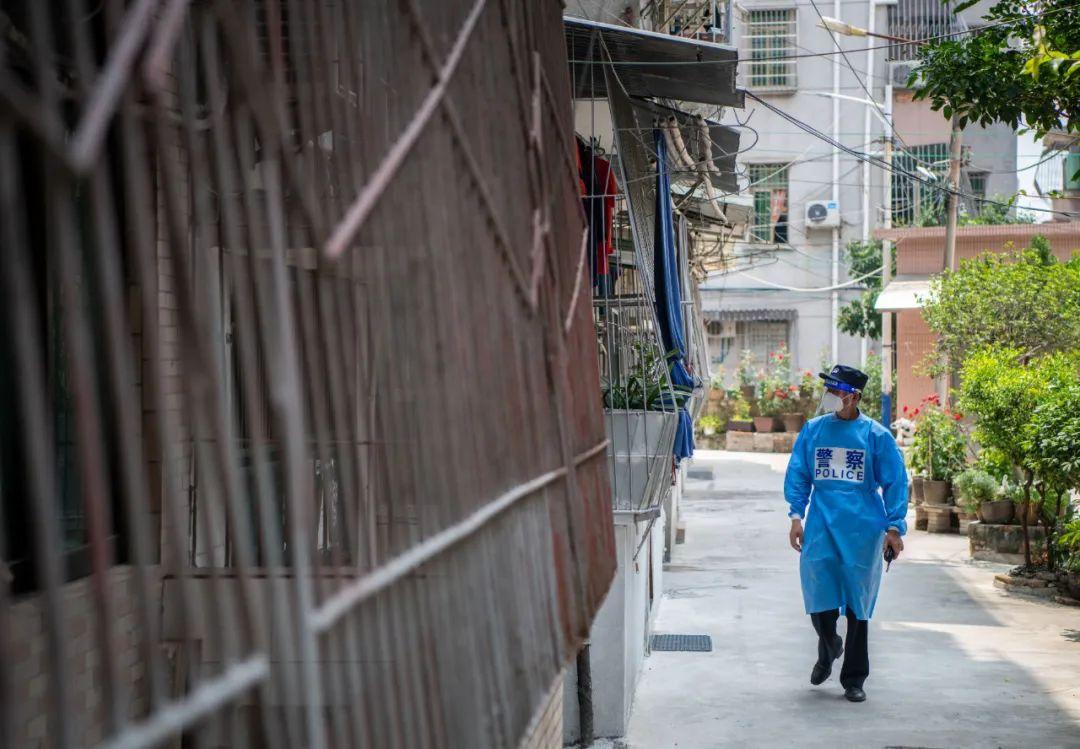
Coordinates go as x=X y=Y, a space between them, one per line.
x=299 y=435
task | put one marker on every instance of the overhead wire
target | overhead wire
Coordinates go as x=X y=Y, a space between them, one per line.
x=882 y=164
x=908 y=42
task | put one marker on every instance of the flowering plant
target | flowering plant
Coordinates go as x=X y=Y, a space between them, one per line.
x=939 y=447
x=745 y=371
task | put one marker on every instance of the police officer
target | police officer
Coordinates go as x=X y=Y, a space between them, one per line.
x=849 y=470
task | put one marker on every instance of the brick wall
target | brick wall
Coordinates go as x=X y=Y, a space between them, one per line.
x=921 y=252
x=546 y=728
x=27 y=658
x=914 y=342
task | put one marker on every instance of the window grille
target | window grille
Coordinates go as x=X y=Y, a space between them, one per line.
x=914 y=202
x=769 y=187
x=770 y=40
x=760 y=336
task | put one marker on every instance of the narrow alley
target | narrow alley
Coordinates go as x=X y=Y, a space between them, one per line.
x=947 y=648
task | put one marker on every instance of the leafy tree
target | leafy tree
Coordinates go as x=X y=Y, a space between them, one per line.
x=1002 y=394
x=870 y=403
x=1005 y=394
x=1020 y=68
x=1025 y=300
x=1053 y=445
x=858 y=317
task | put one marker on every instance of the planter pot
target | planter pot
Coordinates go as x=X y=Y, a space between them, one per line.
x=740 y=425
x=998 y=512
x=764 y=424
x=1032 y=514
x=936 y=492
x=793 y=422
x=939 y=518
x=1073 y=584
x=749 y=392
x=920 y=517
x=639 y=456
x=917 y=489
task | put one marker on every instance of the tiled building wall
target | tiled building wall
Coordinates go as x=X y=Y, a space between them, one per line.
x=914 y=341
x=83 y=669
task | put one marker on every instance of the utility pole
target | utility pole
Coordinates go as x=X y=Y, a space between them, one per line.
x=950 y=227
x=954 y=202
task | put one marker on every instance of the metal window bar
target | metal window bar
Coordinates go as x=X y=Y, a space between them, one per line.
x=768 y=38
x=292 y=409
x=764 y=179
x=920 y=19
x=913 y=201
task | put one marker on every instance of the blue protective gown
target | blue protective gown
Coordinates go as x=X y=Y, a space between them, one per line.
x=838 y=467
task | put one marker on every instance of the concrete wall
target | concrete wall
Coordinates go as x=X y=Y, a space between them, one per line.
x=807 y=262
x=619 y=637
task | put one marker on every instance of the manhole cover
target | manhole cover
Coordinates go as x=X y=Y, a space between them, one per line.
x=682 y=643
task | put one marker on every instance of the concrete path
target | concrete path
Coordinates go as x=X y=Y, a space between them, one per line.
x=955 y=662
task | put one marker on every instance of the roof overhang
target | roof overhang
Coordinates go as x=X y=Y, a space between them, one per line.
x=749 y=315
x=905 y=292
x=651 y=64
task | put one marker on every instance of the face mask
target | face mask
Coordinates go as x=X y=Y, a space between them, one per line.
x=830 y=403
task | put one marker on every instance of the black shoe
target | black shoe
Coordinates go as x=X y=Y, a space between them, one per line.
x=854 y=694
x=822 y=671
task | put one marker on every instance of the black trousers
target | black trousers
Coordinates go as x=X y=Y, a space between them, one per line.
x=856 y=657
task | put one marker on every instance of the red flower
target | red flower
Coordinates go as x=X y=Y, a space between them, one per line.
x=957 y=416
x=793 y=388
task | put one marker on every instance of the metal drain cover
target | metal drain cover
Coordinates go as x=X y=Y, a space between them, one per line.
x=682 y=643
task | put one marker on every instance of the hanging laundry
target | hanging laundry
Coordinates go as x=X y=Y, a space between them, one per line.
x=669 y=296
x=600 y=187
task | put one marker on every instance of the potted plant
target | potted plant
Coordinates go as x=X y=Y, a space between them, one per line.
x=974 y=488
x=709 y=424
x=1072 y=574
x=745 y=375
x=938 y=444
x=740 y=417
x=917 y=480
x=767 y=422
x=1000 y=509
x=791 y=410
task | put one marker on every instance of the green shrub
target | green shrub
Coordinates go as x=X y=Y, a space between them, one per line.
x=993 y=461
x=975 y=487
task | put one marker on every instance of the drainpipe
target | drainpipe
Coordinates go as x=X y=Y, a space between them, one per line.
x=584 y=697
x=835 y=294
x=871 y=27
x=886 y=269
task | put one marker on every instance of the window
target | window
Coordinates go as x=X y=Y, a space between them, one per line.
x=978 y=183
x=770 y=40
x=769 y=186
x=728 y=338
x=913 y=202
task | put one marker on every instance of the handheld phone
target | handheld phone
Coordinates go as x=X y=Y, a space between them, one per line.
x=889 y=556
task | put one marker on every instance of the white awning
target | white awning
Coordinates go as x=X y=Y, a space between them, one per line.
x=903 y=293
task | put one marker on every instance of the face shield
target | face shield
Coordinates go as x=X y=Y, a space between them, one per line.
x=836 y=396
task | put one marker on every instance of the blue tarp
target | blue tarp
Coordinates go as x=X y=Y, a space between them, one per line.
x=668 y=295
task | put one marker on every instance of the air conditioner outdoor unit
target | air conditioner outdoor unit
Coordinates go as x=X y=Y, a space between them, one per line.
x=822 y=214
